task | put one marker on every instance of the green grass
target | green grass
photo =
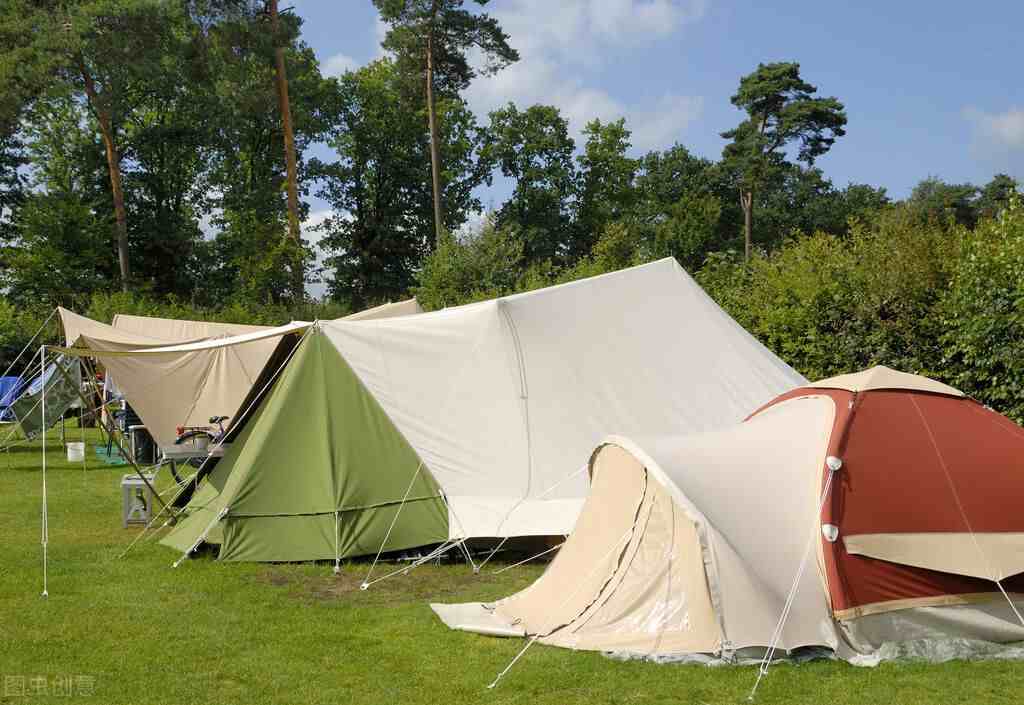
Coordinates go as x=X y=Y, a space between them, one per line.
x=221 y=633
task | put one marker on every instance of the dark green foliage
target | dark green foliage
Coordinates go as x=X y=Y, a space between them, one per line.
x=782 y=112
x=479 y=266
x=380 y=186
x=533 y=148
x=606 y=189
x=995 y=196
x=457 y=31
x=934 y=199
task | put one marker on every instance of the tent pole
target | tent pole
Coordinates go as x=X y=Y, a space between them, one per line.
x=124 y=454
x=81 y=429
x=45 y=529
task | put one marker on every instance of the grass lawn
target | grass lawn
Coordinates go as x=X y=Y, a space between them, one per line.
x=134 y=630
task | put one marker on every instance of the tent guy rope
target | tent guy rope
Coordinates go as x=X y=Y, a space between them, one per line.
x=833 y=464
x=963 y=514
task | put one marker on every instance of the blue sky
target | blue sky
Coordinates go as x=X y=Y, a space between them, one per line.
x=931 y=88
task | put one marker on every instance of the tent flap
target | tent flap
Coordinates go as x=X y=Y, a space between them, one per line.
x=993 y=556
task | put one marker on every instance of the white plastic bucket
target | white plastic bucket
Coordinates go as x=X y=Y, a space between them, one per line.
x=76 y=452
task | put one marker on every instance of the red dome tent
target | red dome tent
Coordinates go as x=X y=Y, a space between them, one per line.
x=929 y=505
x=865 y=509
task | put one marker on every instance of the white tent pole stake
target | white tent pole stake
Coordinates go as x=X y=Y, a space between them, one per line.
x=45 y=534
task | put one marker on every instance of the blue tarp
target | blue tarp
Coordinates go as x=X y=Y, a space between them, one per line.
x=10 y=388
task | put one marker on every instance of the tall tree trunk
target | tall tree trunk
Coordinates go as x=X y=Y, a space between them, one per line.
x=289 y=148
x=114 y=167
x=747 y=203
x=435 y=150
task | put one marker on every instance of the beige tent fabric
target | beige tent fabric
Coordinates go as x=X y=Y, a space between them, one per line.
x=993 y=556
x=398 y=308
x=205 y=344
x=630 y=578
x=756 y=499
x=658 y=601
x=591 y=555
x=75 y=326
x=881 y=377
x=184 y=388
x=478 y=618
x=177 y=331
x=740 y=508
x=185 y=384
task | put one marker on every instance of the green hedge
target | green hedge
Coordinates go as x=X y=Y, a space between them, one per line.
x=935 y=299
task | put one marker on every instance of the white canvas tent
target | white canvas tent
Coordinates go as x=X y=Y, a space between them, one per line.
x=501 y=399
x=499 y=402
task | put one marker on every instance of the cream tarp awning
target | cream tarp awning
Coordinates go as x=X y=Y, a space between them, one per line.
x=398 y=308
x=180 y=373
x=76 y=326
x=503 y=400
x=177 y=330
x=691 y=545
x=184 y=385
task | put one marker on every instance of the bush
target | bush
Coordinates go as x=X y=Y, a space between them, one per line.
x=983 y=314
x=473 y=267
x=829 y=305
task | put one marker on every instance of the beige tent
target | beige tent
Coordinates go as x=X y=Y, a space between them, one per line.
x=180 y=373
x=388 y=310
x=177 y=331
x=885 y=505
x=75 y=326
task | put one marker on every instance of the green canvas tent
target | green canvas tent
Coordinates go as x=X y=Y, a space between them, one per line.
x=349 y=468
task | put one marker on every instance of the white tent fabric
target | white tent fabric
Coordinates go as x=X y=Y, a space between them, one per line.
x=503 y=399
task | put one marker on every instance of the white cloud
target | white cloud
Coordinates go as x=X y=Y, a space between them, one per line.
x=1004 y=129
x=999 y=138
x=561 y=42
x=312 y=237
x=338 y=64
x=316 y=218
x=664 y=123
x=575 y=28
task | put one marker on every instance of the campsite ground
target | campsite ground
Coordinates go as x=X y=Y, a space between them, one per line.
x=134 y=630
